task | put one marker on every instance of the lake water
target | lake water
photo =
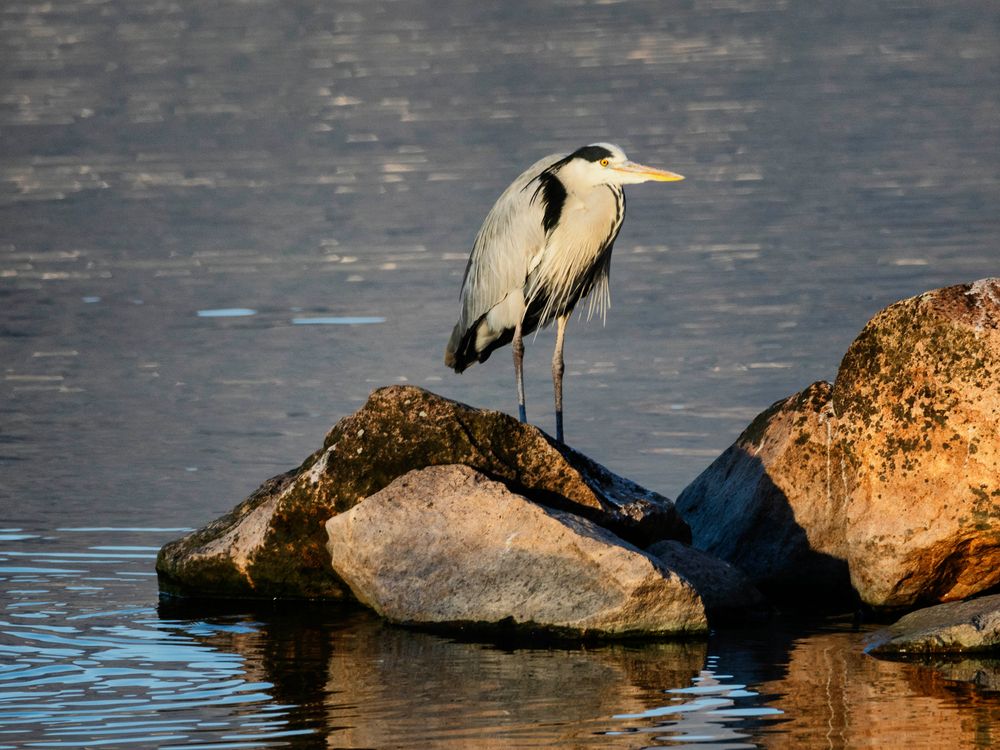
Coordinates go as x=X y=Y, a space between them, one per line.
x=223 y=224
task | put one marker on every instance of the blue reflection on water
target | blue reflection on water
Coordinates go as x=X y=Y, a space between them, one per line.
x=338 y=321
x=227 y=312
x=101 y=672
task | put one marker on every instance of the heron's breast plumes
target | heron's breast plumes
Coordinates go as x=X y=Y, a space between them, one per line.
x=576 y=259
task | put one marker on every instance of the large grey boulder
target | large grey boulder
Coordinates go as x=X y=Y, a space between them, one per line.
x=447 y=545
x=886 y=482
x=955 y=627
x=273 y=544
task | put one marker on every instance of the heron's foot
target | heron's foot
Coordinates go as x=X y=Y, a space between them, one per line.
x=522 y=413
x=559 y=427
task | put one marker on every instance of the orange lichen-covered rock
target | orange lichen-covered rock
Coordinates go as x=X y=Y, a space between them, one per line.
x=887 y=481
x=917 y=400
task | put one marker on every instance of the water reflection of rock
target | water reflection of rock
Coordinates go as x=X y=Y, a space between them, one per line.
x=836 y=696
x=981 y=672
x=344 y=667
x=498 y=698
x=357 y=682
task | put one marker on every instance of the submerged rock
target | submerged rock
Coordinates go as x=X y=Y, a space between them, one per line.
x=888 y=481
x=274 y=544
x=447 y=545
x=955 y=627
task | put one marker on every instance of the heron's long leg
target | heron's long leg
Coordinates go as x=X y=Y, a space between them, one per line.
x=518 y=346
x=557 y=373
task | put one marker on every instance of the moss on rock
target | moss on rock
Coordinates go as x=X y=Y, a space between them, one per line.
x=274 y=543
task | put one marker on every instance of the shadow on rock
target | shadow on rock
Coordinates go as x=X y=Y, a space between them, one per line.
x=891 y=474
x=737 y=513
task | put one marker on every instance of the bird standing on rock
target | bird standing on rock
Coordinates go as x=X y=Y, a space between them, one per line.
x=544 y=246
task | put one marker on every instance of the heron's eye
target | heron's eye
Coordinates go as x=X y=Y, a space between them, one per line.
x=604 y=162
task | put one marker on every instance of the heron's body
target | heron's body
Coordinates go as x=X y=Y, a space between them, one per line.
x=544 y=246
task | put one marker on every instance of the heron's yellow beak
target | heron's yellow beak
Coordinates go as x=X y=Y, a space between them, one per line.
x=648 y=173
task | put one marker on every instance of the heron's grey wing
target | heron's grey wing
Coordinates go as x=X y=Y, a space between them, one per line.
x=509 y=242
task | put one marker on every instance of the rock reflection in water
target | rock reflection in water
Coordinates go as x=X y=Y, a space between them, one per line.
x=368 y=684
x=361 y=683
x=836 y=696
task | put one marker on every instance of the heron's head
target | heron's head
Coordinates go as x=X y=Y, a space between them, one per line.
x=606 y=164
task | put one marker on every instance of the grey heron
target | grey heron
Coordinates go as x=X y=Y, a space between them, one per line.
x=544 y=246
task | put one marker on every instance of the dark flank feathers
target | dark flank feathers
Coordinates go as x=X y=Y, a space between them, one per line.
x=553 y=195
x=461 y=351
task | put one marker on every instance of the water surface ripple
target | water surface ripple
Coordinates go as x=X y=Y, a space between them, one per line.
x=82 y=666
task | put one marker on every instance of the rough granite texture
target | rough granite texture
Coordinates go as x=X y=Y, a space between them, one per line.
x=918 y=405
x=955 y=627
x=723 y=588
x=273 y=544
x=888 y=481
x=447 y=545
x=763 y=504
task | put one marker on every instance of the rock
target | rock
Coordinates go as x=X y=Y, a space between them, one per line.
x=918 y=404
x=213 y=561
x=274 y=544
x=448 y=545
x=979 y=668
x=955 y=627
x=763 y=504
x=888 y=481
x=723 y=588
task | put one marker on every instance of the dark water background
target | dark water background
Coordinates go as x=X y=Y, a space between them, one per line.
x=222 y=224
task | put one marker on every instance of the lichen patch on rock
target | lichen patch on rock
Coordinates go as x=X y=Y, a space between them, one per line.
x=886 y=481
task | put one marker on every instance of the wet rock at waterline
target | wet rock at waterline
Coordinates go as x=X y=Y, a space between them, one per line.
x=955 y=627
x=447 y=545
x=888 y=481
x=274 y=543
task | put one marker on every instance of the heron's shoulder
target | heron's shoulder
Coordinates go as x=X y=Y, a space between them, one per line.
x=519 y=199
x=546 y=162
x=535 y=171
